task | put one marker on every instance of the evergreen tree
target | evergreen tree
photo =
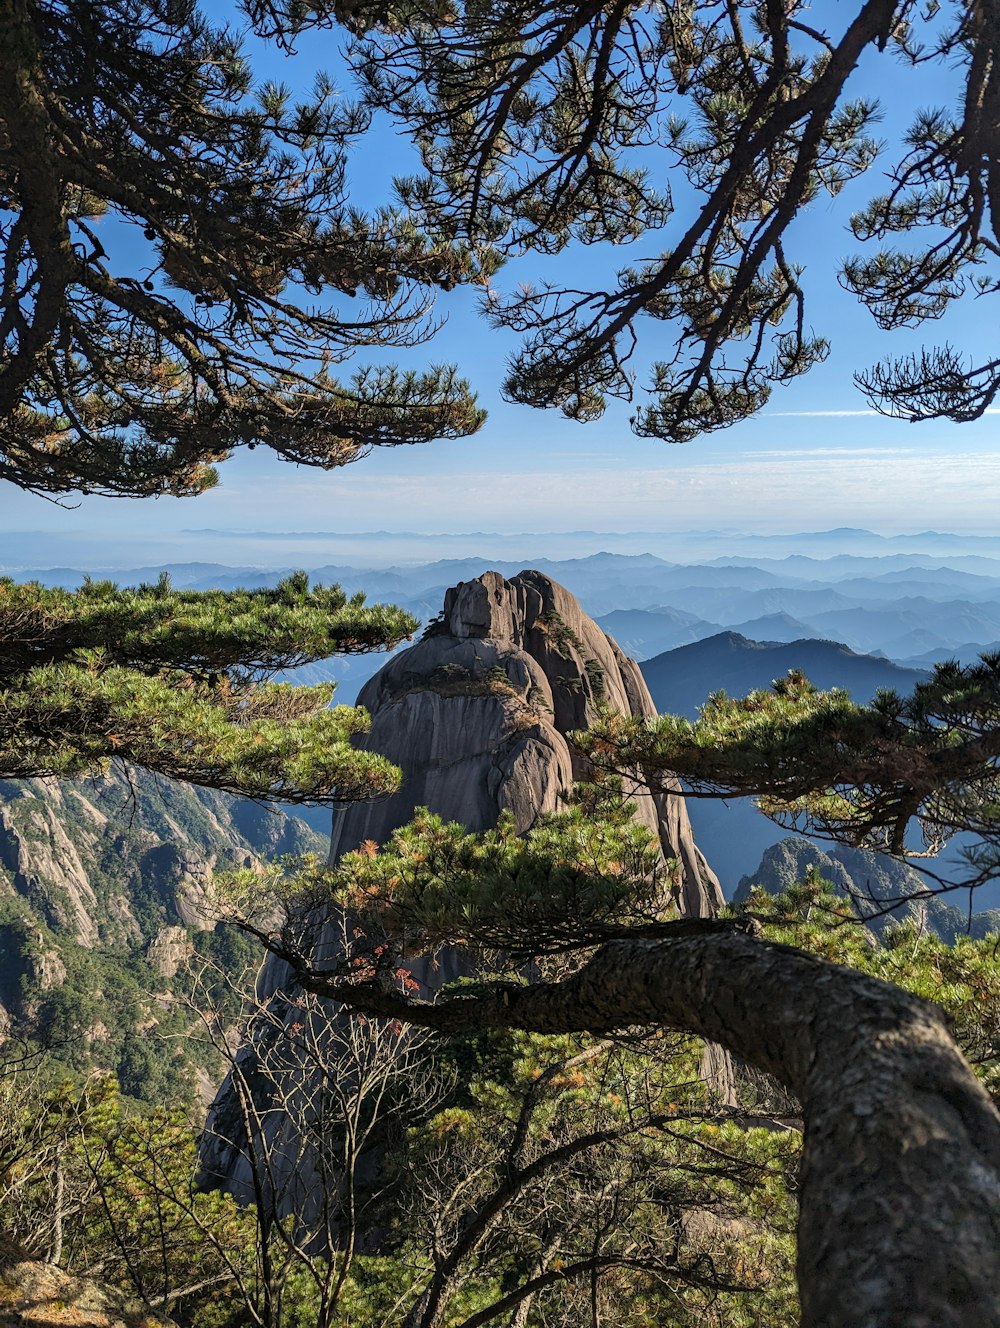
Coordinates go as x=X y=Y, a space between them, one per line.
x=902 y=775
x=178 y=682
x=895 y=1123
x=542 y=123
x=194 y=319
x=122 y=379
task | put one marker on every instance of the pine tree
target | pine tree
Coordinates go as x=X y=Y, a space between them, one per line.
x=134 y=380
x=709 y=129
x=178 y=682
x=899 y=1200
x=902 y=775
x=171 y=239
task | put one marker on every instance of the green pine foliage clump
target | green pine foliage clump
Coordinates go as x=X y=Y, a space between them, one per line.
x=176 y=682
x=905 y=773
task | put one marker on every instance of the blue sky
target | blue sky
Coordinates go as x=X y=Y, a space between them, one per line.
x=815 y=458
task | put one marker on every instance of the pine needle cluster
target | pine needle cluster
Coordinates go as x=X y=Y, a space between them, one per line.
x=179 y=682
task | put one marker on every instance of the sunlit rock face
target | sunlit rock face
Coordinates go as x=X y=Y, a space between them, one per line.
x=478 y=712
x=477 y=715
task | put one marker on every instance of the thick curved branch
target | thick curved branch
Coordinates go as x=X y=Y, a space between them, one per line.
x=900 y=1181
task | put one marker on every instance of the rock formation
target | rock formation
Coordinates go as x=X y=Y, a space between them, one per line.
x=96 y=873
x=872 y=882
x=39 y=1294
x=477 y=714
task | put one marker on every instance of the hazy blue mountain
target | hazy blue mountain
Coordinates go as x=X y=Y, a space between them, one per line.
x=731 y=604
x=775 y=627
x=913 y=582
x=841 y=566
x=733 y=835
x=743 y=576
x=680 y=680
x=911 y=625
x=967 y=653
x=645 y=632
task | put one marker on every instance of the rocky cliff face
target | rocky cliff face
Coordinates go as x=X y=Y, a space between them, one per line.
x=478 y=712
x=477 y=716
x=871 y=881
x=104 y=891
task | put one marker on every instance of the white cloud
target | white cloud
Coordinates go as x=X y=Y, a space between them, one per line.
x=636 y=487
x=810 y=490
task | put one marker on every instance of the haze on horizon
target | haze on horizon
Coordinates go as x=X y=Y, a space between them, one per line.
x=816 y=458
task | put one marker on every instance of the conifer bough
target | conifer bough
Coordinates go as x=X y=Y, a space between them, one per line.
x=707 y=129
x=875 y=776
x=178 y=682
x=128 y=126
x=899 y=1185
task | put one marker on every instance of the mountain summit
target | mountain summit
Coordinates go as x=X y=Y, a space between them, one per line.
x=477 y=714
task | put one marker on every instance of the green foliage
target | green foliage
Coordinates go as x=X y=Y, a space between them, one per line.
x=864 y=775
x=174 y=681
x=155 y=627
x=570 y=881
x=563 y=1167
x=131 y=384
x=97 y=1187
x=540 y=125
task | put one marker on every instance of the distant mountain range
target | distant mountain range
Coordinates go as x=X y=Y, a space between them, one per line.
x=114 y=546
x=842 y=605
x=733 y=835
x=680 y=680
x=907 y=607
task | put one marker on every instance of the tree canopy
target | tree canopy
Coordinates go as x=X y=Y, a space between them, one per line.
x=708 y=128
x=897 y=1187
x=179 y=682
x=133 y=377
x=170 y=234
x=903 y=775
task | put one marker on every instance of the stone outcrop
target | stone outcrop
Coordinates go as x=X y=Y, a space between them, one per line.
x=169 y=948
x=881 y=889
x=34 y=1293
x=94 y=873
x=478 y=714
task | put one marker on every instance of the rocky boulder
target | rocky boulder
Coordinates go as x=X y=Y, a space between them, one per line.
x=34 y=1293
x=479 y=711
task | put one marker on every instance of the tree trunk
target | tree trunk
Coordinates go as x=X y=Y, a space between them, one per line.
x=900 y=1181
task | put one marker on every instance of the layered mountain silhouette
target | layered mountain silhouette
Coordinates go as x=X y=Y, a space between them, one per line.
x=734 y=834
x=680 y=680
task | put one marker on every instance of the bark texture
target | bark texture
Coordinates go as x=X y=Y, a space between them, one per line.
x=900 y=1179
